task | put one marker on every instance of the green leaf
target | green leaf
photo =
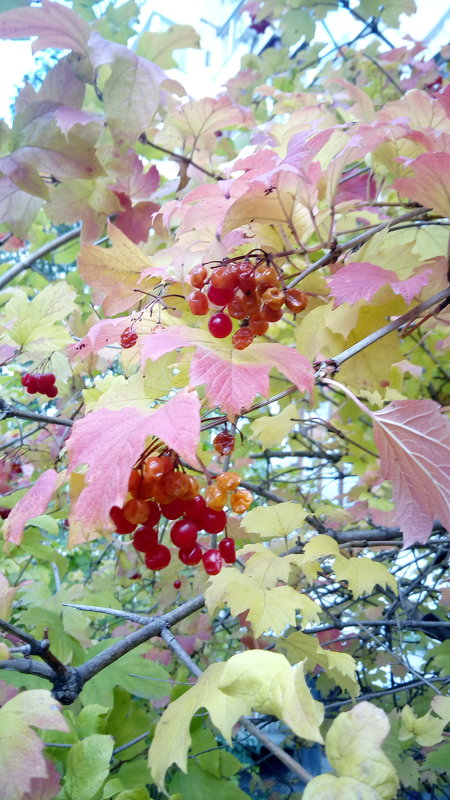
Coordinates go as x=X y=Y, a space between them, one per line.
x=202 y=785
x=439 y=759
x=87 y=767
x=99 y=690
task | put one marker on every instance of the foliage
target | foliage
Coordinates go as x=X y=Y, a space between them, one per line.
x=248 y=355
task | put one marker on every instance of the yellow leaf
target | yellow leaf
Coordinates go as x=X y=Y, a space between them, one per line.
x=35 y=325
x=353 y=747
x=116 y=391
x=277 y=520
x=271 y=430
x=4 y=652
x=115 y=271
x=362 y=574
x=268 y=609
x=441 y=706
x=426 y=730
x=267 y=683
x=340 y=667
x=254 y=680
x=319 y=546
x=266 y=567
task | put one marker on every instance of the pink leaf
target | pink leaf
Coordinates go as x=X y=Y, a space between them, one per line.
x=110 y=442
x=102 y=333
x=431 y=183
x=232 y=378
x=362 y=280
x=413 y=440
x=32 y=504
x=45 y=788
x=54 y=25
x=7 y=353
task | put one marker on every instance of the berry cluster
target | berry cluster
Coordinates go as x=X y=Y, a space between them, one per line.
x=42 y=384
x=251 y=293
x=160 y=490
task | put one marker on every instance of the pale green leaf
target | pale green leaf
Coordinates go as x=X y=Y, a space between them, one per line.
x=271 y=430
x=87 y=767
x=362 y=574
x=277 y=520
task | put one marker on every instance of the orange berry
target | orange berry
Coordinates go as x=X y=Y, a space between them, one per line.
x=228 y=481
x=241 y=500
x=156 y=466
x=134 y=484
x=296 y=300
x=215 y=497
x=136 y=511
x=273 y=298
x=176 y=484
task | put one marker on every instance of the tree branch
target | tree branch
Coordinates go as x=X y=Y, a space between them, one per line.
x=355 y=243
x=395 y=325
x=7 y=410
x=41 y=252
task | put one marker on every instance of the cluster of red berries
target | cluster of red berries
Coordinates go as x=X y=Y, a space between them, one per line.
x=251 y=293
x=44 y=383
x=159 y=489
x=128 y=338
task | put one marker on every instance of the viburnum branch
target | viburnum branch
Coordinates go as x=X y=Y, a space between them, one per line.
x=178 y=157
x=7 y=410
x=356 y=242
x=41 y=252
x=35 y=647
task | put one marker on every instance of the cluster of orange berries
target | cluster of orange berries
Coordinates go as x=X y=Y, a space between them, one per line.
x=160 y=490
x=251 y=293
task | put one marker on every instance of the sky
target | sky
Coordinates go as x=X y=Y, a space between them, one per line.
x=16 y=58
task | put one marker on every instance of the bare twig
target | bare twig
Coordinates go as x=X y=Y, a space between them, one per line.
x=7 y=410
x=41 y=252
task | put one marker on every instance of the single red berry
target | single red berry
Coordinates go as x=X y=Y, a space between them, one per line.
x=4 y=512
x=16 y=468
x=159 y=558
x=145 y=539
x=128 y=338
x=193 y=509
x=177 y=584
x=212 y=562
x=173 y=510
x=52 y=391
x=25 y=379
x=184 y=533
x=246 y=279
x=213 y=521
x=227 y=550
x=220 y=297
x=198 y=303
x=190 y=556
x=223 y=443
x=242 y=338
x=220 y=325
x=122 y=524
x=257 y=325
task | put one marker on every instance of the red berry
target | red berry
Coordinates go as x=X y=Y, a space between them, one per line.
x=173 y=510
x=227 y=550
x=212 y=562
x=32 y=385
x=191 y=556
x=184 y=533
x=198 y=276
x=25 y=379
x=128 y=338
x=220 y=297
x=177 y=584
x=193 y=509
x=4 y=512
x=246 y=279
x=122 y=524
x=154 y=514
x=145 y=539
x=257 y=325
x=220 y=326
x=135 y=576
x=213 y=521
x=223 y=443
x=198 y=303
x=52 y=391
x=158 y=558
x=242 y=338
